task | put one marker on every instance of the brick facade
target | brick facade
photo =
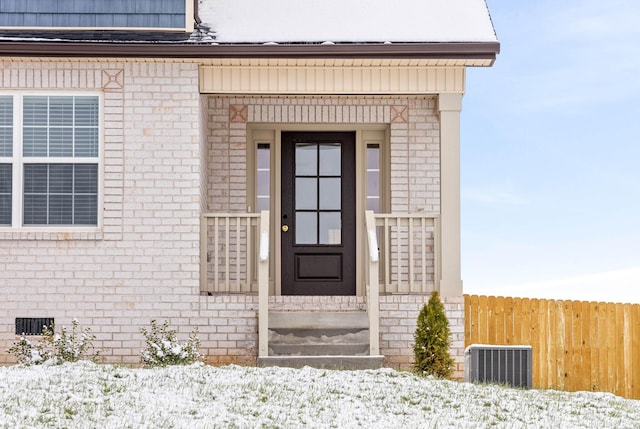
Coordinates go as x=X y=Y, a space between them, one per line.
x=160 y=135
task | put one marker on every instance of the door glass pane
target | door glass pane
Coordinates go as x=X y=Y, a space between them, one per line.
x=330 y=193
x=306 y=159
x=306 y=193
x=306 y=228
x=330 y=159
x=330 y=228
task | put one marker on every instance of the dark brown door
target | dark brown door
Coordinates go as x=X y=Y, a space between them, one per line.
x=318 y=213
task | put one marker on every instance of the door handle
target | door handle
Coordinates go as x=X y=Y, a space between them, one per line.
x=285 y=228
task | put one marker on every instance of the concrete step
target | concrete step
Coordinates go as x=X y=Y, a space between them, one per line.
x=301 y=320
x=323 y=362
x=355 y=349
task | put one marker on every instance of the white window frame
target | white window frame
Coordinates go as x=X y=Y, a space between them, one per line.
x=17 y=160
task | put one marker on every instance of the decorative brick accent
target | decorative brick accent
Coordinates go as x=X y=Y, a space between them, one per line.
x=238 y=113
x=112 y=79
x=399 y=114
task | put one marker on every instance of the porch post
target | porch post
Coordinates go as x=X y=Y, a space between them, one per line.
x=450 y=105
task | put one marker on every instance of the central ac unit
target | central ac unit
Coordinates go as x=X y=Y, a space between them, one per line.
x=510 y=365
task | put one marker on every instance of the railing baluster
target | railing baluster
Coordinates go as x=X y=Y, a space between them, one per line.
x=249 y=252
x=387 y=256
x=226 y=254
x=423 y=250
x=410 y=260
x=237 y=244
x=216 y=243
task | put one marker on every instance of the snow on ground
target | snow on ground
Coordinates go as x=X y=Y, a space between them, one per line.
x=86 y=395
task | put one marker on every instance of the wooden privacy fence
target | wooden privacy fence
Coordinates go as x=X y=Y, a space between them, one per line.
x=592 y=346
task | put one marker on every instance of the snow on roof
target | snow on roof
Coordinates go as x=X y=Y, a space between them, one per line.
x=291 y=21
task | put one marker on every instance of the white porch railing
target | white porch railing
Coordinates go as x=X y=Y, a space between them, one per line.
x=232 y=247
x=409 y=251
x=373 y=286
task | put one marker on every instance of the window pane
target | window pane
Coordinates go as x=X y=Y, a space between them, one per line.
x=330 y=198
x=35 y=209
x=373 y=203
x=6 y=110
x=330 y=159
x=263 y=155
x=373 y=157
x=61 y=111
x=60 y=142
x=85 y=210
x=60 y=178
x=86 y=142
x=35 y=111
x=86 y=111
x=6 y=125
x=35 y=178
x=86 y=179
x=306 y=193
x=60 y=194
x=35 y=142
x=306 y=159
x=60 y=210
x=6 y=141
x=306 y=228
x=330 y=228
x=373 y=184
x=262 y=203
x=5 y=193
x=263 y=183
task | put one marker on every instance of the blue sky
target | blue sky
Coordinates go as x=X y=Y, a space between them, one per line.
x=550 y=152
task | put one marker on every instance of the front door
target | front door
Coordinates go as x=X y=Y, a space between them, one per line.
x=318 y=225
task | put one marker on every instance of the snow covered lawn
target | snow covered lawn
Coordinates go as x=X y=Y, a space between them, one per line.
x=86 y=395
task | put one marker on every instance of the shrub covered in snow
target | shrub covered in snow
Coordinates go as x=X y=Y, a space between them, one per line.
x=29 y=353
x=162 y=347
x=431 y=347
x=67 y=346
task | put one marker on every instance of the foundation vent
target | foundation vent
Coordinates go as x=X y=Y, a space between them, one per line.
x=32 y=325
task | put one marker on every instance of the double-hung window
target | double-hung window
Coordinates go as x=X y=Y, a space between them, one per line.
x=49 y=160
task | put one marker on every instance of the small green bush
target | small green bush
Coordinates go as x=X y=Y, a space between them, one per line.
x=431 y=347
x=67 y=346
x=162 y=347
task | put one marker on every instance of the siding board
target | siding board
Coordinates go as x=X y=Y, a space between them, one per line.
x=98 y=14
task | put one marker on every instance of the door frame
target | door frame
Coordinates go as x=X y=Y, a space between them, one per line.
x=272 y=133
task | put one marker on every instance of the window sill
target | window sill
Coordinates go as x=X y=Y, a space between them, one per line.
x=51 y=234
